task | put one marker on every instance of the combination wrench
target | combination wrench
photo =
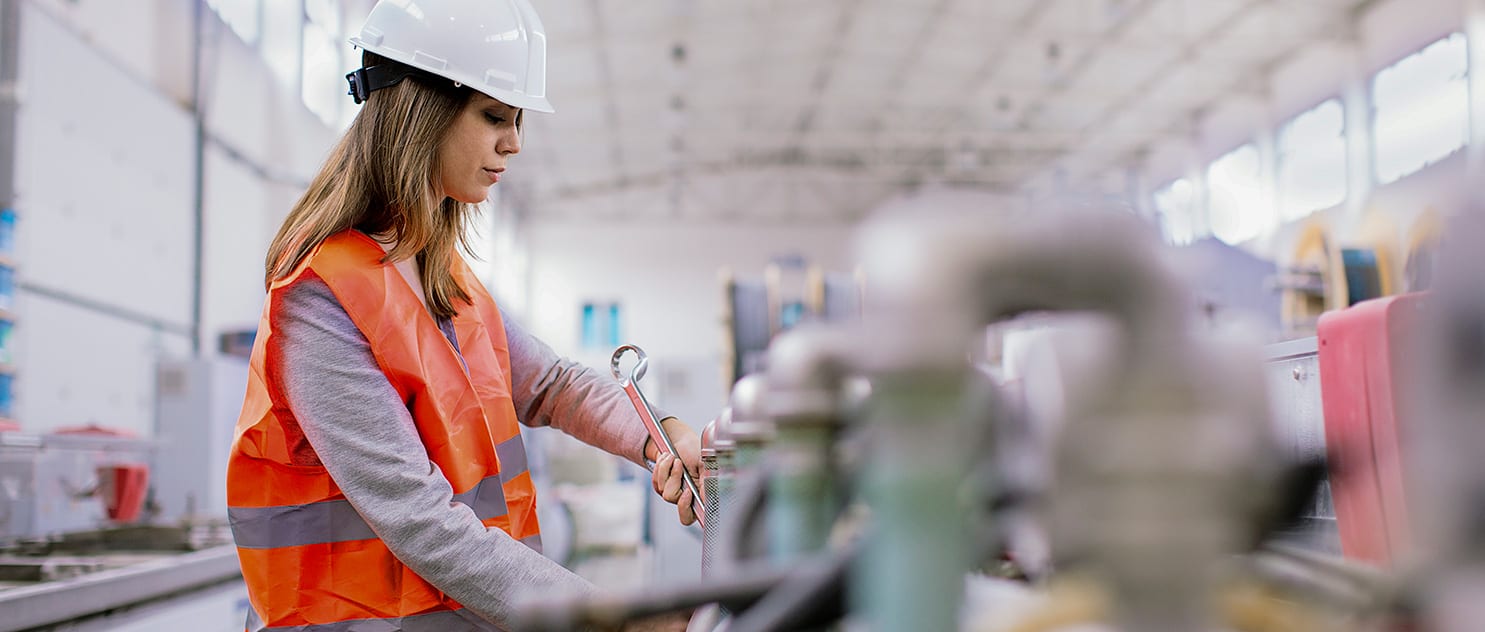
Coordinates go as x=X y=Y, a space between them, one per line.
x=647 y=415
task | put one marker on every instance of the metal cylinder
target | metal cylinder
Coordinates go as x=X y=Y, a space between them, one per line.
x=720 y=486
x=725 y=448
x=916 y=553
x=806 y=401
x=748 y=432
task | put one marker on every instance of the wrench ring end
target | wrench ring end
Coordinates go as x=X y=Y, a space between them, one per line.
x=639 y=369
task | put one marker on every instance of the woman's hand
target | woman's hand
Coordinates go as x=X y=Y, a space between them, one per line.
x=664 y=622
x=666 y=478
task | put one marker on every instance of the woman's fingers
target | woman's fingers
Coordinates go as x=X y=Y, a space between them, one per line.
x=685 y=507
x=669 y=483
x=672 y=491
x=661 y=473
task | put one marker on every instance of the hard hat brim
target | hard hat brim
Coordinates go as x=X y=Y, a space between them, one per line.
x=511 y=98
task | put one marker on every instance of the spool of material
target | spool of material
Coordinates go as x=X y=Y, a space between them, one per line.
x=1307 y=280
x=1324 y=274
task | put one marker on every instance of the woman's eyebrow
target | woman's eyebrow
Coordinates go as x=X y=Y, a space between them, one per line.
x=499 y=105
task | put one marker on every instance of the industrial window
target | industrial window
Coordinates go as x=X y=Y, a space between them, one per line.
x=241 y=15
x=283 y=21
x=1422 y=108
x=1312 y=161
x=322 y=61
x=1238 y=201
x=1176 y=205
x=327 y=58
x=602 y=325
x=325 y=13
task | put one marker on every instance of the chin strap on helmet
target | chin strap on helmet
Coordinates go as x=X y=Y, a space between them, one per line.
x=372 y=78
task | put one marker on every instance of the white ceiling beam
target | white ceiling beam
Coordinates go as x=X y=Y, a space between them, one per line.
x=606 y=81
x=1190 y=55
x=1253 y=82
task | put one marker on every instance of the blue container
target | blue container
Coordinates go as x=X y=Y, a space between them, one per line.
x=7 y=341
x=7 y=288
x=7 y=232
x=7 y=382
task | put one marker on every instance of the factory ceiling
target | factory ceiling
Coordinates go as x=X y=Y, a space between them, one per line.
x=819 y=110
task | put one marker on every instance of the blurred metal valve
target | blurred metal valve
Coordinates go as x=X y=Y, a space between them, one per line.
x=752 y=429
x=1448 y=476
x=807 y=400
x=1147 y=450
x=742 y=440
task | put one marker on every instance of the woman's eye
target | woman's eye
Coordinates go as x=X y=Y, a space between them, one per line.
x=494 y=120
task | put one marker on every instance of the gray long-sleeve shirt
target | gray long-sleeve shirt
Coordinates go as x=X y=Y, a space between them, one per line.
x=364 y=436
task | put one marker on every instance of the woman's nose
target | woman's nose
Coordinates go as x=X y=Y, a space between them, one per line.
x=509 y=143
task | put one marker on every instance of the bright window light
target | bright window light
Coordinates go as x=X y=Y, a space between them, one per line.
x=1239 y=206
x=282 y=23
x=350 y=59
x=240 y=15
x=325 y=13
x=1312 y=161
x=1422 y=108
x=322 y=90
x=1176 y=205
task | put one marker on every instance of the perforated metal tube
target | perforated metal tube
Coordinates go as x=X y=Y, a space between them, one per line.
x=710 y=547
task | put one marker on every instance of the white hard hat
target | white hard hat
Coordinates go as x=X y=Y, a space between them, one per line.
x=497 y=47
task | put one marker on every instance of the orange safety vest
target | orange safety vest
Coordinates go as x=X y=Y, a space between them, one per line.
x=311 y=562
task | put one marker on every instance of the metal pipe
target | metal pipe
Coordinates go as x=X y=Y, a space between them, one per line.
x=1320 y=578
x=198 y=175
x=741 y=535
x=809 y=599
x=743 y=587
x=10 y=53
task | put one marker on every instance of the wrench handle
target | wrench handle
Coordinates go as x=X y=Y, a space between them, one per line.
x=663 y=442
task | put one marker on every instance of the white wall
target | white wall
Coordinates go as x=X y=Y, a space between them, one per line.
x=105 y=195
x=665 y=275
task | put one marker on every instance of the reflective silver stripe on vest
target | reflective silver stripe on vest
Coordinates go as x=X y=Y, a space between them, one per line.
x=512 y=453
x=297 y=525
x=533 y=541
x=486 y=498
x=336 y=521
x=431 y=622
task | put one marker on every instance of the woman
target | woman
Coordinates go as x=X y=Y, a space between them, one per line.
x=377 y=479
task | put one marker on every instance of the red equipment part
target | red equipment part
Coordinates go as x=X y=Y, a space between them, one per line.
x=123 y=487
x=1365 y=355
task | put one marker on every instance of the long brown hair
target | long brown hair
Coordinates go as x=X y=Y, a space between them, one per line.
x=379 y=179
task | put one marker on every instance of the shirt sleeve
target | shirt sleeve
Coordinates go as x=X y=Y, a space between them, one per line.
x=550 y=390
x=364 y=436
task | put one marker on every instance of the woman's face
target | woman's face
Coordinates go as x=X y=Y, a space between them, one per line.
x=474 y=152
